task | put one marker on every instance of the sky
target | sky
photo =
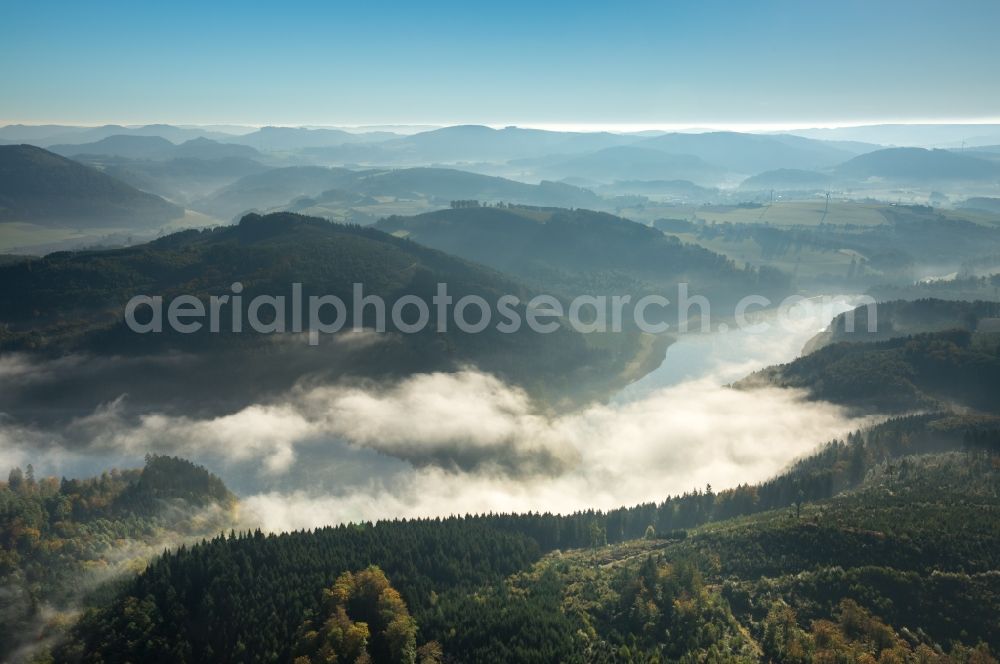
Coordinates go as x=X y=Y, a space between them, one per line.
x=578 y=64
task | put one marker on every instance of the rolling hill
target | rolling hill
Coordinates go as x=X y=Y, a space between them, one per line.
x=628 y=162
x=43 y=188
x=120 y=145
x=268 y=190
x=134 y=146
x=46 y=135
x=206 y=148
x=683 y=190
x=752 y=153
x=787 y=179
x=438 y=186
x=280 y=139
x=181 y=180
x=923 y=135
x=901 y=318
x=443 y=185
x=949 y=369
x=887 y=243
x=986 y=204
x=579 y=251
x=918 y=165
x=74 y=302
x=479 y=143
x=471 y=143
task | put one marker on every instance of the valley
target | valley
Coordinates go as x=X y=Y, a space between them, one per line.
x=542 y=333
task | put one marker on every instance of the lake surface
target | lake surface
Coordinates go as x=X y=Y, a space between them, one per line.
x=731 y=355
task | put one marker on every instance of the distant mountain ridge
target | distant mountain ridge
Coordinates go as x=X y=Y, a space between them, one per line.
x=158 y=148
x=628 y=162
x=180 y=180
x=46 y=135
x=297 y=138
x=918 y=164
x=279 y=187
x=922 y=135
x=120 y=145
x=787 y=179
x=752 y=153
x=269 y=189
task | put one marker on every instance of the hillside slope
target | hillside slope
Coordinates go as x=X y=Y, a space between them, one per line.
x=918 y=165
x=135 y=146
x=438 y=186
x=582 y=252
x=44 y=188
x=900 y=561
x=64 y=543
x=900 y=318
x=752 y=153
x=954 y=369
x=74 y=302
x=629 y=162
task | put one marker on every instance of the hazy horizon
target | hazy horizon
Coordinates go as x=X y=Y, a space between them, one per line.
x=612 y=127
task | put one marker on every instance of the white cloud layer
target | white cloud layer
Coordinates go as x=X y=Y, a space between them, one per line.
x=444 y=443
x=475 y=444
x=673 y=440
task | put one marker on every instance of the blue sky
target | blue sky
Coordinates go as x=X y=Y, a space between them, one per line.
x=529 y=63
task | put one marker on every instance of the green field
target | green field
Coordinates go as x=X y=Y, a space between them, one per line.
x=794 y=213
x=15 y=236
x=781 y=213
x=801 y=261
x=24 y=237
x=385 y=206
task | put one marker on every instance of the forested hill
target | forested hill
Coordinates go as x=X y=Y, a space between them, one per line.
x=951 y=369
x=60 y=540
x=41 y=187
x=890 y=534
x=74 y=301
x=900 y=318
x=917 y=165
x=581 y=251
x=265 y=253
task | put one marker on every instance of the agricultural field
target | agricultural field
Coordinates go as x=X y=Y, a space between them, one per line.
x=780 y=213
x=28 y=238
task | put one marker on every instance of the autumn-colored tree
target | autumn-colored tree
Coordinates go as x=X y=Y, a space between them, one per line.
x=364 y=620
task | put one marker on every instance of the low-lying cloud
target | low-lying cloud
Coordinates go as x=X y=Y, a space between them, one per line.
x=469 y=443
x=673 y=440
x=460 y=442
